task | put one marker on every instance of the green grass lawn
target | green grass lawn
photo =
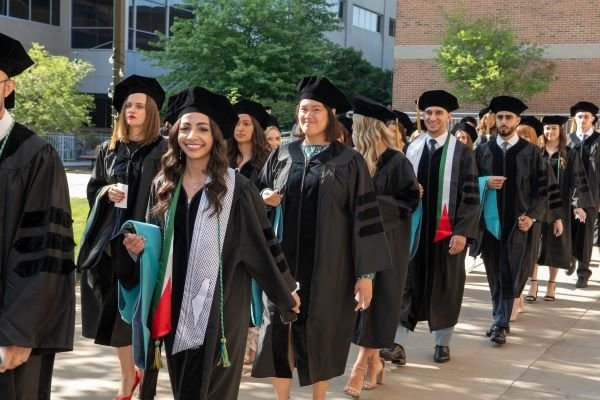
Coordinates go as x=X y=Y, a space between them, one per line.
x=79 y=211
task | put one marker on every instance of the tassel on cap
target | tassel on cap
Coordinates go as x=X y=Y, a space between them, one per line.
x=418 y=118
x=573 y=126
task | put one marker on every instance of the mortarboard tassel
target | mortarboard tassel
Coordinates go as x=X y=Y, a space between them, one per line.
x=224 y=359
x=418 y=118
x=573 y=126
x=157 y=356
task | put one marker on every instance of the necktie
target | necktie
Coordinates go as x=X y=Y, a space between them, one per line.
x=432 y=143
x=504 y=146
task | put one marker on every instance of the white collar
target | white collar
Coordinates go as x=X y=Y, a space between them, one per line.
x=588 y=133
x=5 y=123
x=441 y=140
x=513 y=140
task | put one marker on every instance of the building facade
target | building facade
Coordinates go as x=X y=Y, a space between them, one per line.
x=566 y=28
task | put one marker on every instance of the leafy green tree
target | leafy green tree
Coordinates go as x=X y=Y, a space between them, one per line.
x=262 y=48
x=48 y=100
x=483 y=58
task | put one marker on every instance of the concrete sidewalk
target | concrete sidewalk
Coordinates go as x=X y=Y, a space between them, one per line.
x=553 y=352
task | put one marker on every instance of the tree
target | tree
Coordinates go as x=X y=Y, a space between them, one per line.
x=47 y=97
x=483 y=58
x=262 y=48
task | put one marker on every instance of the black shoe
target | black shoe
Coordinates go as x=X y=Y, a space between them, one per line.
x=498 y=335
x=581 y=283
x=441 y=354
x=396 y=354
x=489 y=332
x=572 y=266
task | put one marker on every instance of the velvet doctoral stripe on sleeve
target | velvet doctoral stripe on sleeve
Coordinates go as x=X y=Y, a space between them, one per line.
x=36 y=246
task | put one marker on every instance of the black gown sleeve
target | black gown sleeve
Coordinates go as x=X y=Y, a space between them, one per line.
x=403 y=190
x=99 y=177
x=260 y=251
x=38 y=302
x=370 y=249
x=468 y=207
x=554 y=198
x=538 y=201
x=578 y=182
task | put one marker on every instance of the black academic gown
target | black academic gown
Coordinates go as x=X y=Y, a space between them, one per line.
x=37 y=288
x=397 y=192
x=436 y=280
x=525 y=191
x=583 y=234
x=99 y=309
x=332 y=234
x=250 y=249
x=574 y=193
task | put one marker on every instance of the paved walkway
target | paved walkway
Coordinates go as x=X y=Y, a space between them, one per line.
x=553 y=352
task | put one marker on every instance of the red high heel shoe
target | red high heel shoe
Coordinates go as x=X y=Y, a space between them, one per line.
x=138 y=377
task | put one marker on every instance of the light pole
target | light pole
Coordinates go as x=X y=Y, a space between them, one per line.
x=118 y=56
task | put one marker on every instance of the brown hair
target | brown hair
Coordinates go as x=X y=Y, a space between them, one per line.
x=484 y=125
x=400 y=134
x=528 y=132
x=173 y=164
x=366 y=133
x=562 y=145
x=469 y=140
x=150 y=129
x=332 y=131
x=260 y=147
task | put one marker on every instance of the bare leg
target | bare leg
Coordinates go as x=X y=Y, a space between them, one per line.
x=125 y=355
x=357 y=376
x=515 y=310
x=283 y=387
x=551 y=289
x=533 y=286
x=320 y=390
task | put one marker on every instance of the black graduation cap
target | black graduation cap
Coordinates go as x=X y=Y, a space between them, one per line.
x=483 y=111
x=198 y=99
x=404 y=120
x=138 y=84
x=253 y=109
x=465 y=127
x=13 y=61
x=507 y=103
x=273 y=121
x=372 y=109
x=554 y=120
x=437 y=98
x=321 y=89
x=584 y=106
x=533 y=122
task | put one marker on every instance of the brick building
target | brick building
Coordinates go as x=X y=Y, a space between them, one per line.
x=567 y=28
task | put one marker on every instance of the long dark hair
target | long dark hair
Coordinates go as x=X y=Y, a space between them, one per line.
x=260 y=148
x=173 y=164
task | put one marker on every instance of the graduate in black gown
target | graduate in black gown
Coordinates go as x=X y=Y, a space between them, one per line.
x=333 y=239
x=132 y=158
x=586 y=141
x=220 y=238
x=397 y=192
x=37 y=288
x=435 y=284
x=566 y=166
x=516 y=170
x=248 y=150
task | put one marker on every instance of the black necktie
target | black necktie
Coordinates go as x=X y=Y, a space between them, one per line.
x=432 y=144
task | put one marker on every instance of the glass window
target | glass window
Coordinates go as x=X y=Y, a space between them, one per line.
x=150 y=16
x=143 y=38
x=366 y=19
x=86 y=38
x=92 y=13
x=40 y=11
x=177 y=11
x=3 y=7
x=55 y=12
x=392 y=27
x=19 y=8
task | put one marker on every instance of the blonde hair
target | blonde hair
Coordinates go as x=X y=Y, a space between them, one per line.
x=150 y=130
x=528 y=132
x=484 y=124
x=366 y=133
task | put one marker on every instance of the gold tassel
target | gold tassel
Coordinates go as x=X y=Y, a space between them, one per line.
x=157 y=359
x=573 y=126
x=487 y=124
x=398 y=135
x=418 y=118
x=224 y=360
